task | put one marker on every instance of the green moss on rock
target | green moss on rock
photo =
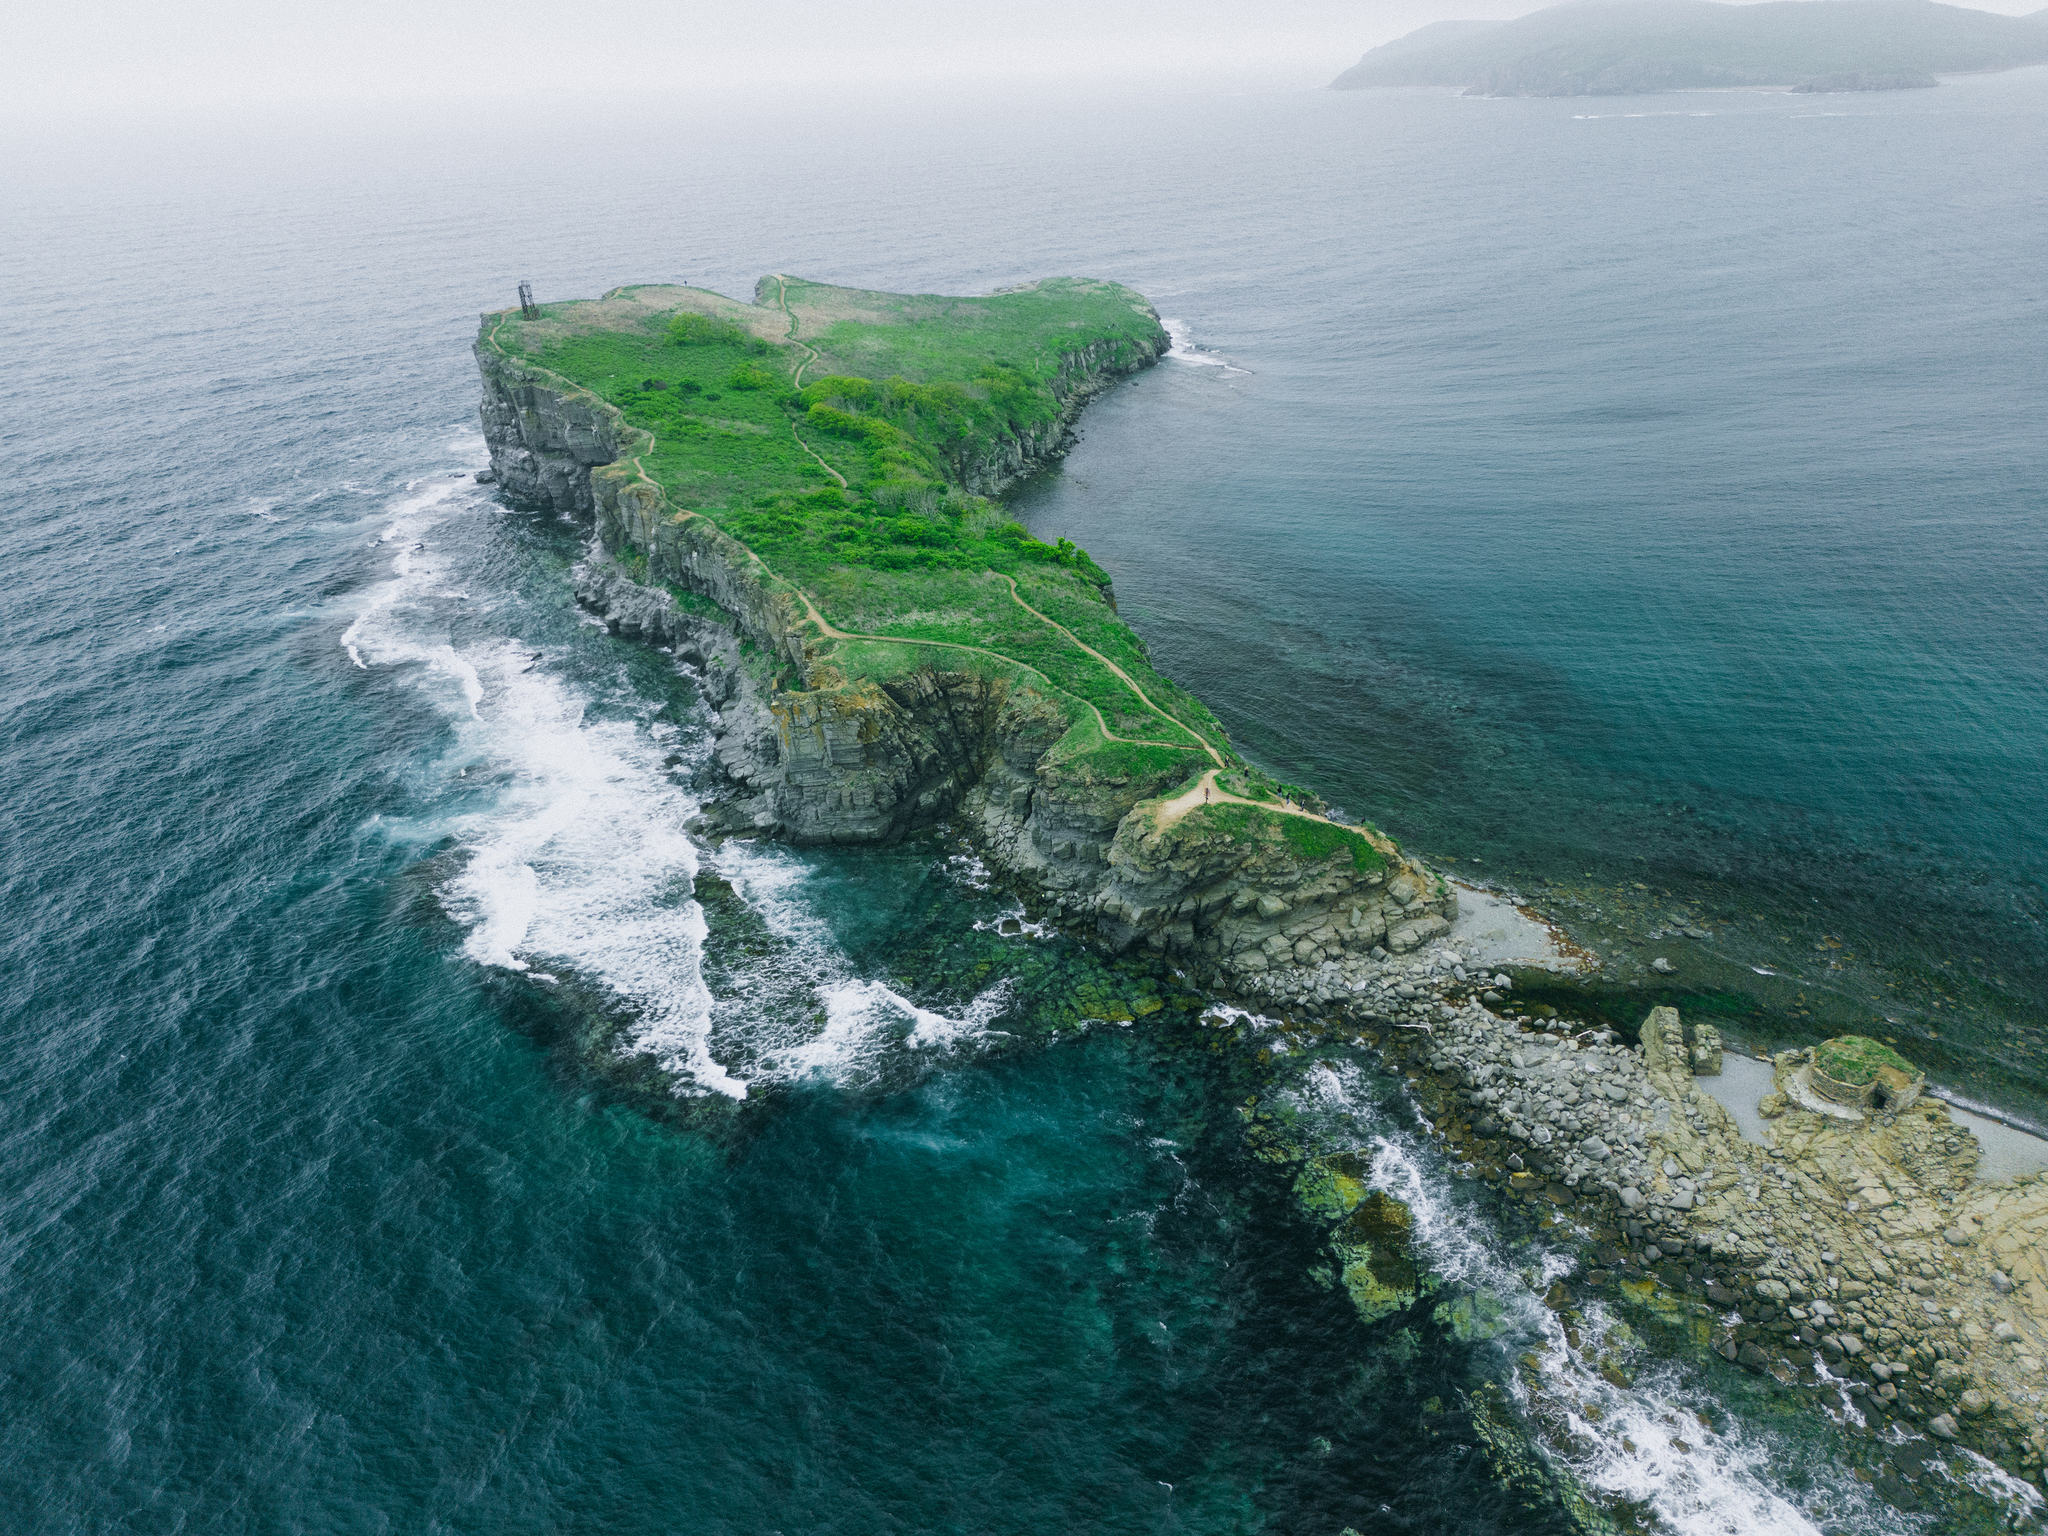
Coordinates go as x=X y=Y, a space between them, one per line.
x=1857 y=1059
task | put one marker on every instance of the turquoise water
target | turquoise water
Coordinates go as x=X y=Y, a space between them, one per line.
x=355 y=954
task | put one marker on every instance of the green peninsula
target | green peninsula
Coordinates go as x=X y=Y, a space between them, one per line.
x=800 y=494
x=1628 y=47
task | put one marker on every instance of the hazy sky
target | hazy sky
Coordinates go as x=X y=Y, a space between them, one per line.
x=69 y=57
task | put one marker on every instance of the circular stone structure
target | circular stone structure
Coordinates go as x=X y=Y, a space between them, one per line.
x=1857 y=1072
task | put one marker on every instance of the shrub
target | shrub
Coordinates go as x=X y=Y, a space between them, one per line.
x=836 y=388
x=704 y=331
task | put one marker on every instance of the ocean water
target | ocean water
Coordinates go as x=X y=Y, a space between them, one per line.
x=407 y=1127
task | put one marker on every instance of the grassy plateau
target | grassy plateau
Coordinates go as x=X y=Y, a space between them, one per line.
x=851 y=440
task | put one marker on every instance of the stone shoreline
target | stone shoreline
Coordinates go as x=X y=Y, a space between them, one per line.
x=1852 y=1257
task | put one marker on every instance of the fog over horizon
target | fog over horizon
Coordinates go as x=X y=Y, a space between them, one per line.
x=106 y=60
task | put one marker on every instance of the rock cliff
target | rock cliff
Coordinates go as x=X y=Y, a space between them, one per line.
x=544 y=438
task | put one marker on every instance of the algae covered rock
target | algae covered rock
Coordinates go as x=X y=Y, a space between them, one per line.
x=1374 y=1233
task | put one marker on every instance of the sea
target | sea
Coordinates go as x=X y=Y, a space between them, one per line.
x=406 y=1125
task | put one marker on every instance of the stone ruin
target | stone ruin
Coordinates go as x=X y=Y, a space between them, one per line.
x=1849 y=1077
x=1667 y=1038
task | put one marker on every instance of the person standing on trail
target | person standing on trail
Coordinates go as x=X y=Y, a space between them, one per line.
x=1205 y=794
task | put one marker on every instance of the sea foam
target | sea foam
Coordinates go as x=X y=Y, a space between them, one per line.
x=1184 y=350
x=565 y=802
x=1646 y=1443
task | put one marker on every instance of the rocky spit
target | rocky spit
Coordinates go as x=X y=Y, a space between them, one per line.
x=1852 y=1254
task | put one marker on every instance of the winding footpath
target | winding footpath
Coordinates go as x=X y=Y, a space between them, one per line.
x=1128 y=681
x=797 y=378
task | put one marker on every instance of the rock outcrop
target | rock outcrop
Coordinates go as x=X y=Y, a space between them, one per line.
x=544 y=436
x=1856 y=1256
x=1082 y=373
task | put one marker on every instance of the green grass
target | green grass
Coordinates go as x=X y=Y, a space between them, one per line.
x=1108 y=760
x=938 y=339
x=910 y=398
x=1313 y=840
x=1858 y=1059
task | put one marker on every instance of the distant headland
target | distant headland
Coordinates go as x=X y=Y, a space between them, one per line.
x=1629 y=47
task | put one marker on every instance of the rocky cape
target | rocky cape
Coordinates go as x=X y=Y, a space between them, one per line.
x=814 y=753
x=1852 y=1257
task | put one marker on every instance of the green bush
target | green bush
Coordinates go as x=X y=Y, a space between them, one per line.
x=691 y=330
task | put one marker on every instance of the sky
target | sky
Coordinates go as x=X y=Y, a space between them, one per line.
x=90 y=58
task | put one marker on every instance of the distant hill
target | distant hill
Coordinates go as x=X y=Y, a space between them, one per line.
x=1625 y=47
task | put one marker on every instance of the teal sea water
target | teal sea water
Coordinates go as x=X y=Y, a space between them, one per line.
x=1633 y=496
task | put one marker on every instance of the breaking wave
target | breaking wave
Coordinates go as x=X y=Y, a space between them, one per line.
x=1184 y=350
x=569 y=800
x=1625 y=1425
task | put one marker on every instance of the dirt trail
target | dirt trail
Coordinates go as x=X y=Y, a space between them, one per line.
x=810 y=357
x=782 y=303
x=832 y=632
x=1214 y=756
x=1204 y=792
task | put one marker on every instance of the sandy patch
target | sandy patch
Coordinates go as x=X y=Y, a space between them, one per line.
x=1493 y=931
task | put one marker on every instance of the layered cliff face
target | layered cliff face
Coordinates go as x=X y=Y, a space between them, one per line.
x=543 y=441
x=816 y=756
